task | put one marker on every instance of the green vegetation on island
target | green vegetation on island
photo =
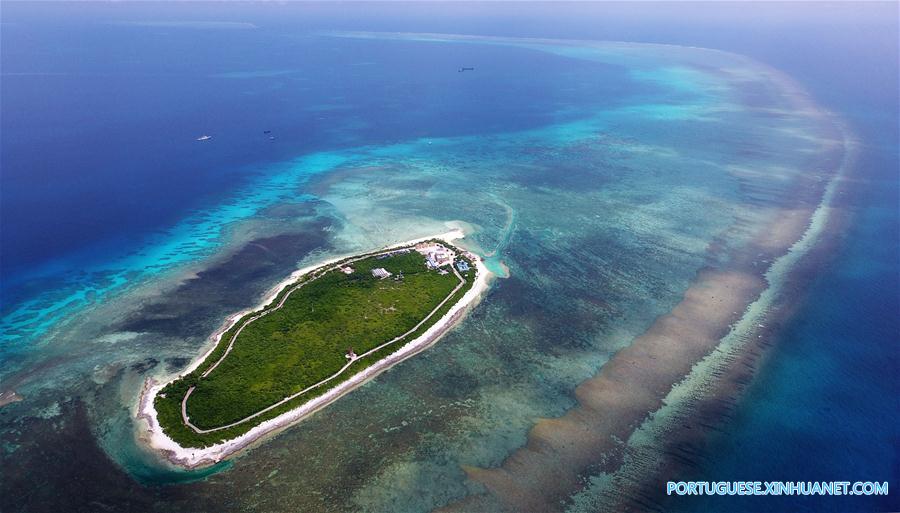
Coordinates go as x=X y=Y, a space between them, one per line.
x=333 y=317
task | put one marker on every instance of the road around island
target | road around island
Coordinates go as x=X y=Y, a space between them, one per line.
x=184 y=415
x=151 y=434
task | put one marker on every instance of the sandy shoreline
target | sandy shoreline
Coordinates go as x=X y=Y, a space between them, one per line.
x=151 y=434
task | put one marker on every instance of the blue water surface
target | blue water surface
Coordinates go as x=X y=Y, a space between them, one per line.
x=103 y=180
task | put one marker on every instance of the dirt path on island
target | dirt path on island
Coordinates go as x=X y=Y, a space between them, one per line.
x=186 y=419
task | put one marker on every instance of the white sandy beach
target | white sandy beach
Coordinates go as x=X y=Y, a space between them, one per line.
x=151 y=434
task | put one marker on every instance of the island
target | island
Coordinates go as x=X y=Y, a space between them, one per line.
x=319 y=334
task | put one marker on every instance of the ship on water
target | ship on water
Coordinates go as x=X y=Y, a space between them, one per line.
x=204 y=138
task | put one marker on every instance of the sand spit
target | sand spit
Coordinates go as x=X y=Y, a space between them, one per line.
x=9 y=396
x=602 y=434
x=151 y=434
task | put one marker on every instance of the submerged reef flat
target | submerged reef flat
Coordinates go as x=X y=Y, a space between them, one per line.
x=646 y=414
x=321 y=334
x=633 y=224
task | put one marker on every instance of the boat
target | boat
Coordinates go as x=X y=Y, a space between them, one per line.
x=204 y=138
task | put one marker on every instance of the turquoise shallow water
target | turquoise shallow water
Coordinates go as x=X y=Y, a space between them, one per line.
x=601 y=210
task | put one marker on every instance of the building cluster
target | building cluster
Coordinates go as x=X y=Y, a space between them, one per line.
x=392 y=253
x=436 y=255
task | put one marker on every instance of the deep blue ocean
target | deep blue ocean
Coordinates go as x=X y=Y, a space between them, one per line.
x=102 y=180
x=124 y=103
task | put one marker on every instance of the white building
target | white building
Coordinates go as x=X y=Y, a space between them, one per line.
x=380 y=273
